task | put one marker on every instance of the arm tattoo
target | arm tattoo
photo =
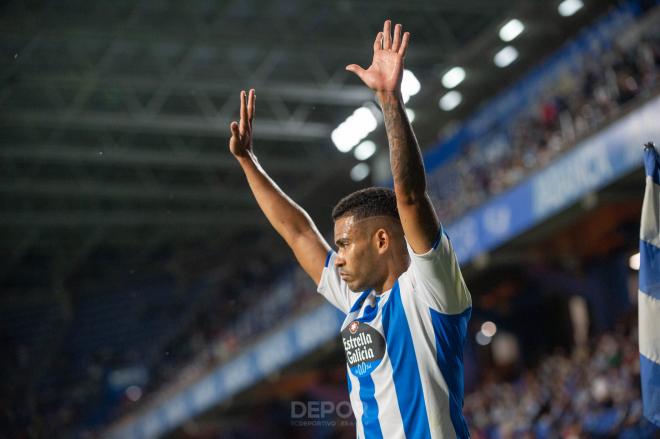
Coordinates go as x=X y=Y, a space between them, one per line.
x=405 y=156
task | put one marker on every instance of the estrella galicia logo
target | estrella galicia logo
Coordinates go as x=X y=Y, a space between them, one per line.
x=364 y=347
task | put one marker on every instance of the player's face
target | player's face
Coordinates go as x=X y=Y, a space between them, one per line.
x=357 y=258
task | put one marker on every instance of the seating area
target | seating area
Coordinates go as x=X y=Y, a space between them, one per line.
x=609 y=82
x=592 y=393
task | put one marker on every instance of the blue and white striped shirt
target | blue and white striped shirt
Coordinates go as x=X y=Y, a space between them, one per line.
x=404 y=347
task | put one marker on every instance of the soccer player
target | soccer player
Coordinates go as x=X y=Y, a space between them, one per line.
x=394 y=273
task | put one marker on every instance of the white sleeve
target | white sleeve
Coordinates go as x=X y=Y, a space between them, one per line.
x=332 y=287
x=437 y=278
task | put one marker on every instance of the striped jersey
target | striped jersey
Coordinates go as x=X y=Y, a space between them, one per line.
x=404 y=347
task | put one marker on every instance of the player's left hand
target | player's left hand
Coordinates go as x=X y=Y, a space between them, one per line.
x=386 y=69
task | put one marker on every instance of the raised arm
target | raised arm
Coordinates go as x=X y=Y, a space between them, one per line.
x=420 y=223
x=288 y=219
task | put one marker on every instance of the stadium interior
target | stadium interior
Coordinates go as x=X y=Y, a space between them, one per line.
x=145 y=295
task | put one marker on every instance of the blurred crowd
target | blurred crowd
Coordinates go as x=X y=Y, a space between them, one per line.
x=587 y=394
x=574 y=106
x=224 y=324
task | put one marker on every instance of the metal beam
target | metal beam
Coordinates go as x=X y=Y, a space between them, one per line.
x=179 y=124
x=295 y=46
x=328 y=93
x=101 y=155
x=99 y=189
x=130 y=218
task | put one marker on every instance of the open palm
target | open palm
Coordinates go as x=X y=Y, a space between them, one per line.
x=386 y=69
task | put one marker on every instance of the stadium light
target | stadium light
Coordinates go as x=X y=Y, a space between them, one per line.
x=410 y=86
x=360 y=172
x=411 y=114
x=505 y=56
x=569 y=7
x=633 y=262
x=511 y=30
x=355 y=128
x=453 y=77
x=450 y=100
x=365 y=150
x=489 y=329
x=133 y=393
x=482 y=339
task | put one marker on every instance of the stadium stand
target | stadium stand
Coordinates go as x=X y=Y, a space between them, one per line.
x=591 y=89
x=594 y=393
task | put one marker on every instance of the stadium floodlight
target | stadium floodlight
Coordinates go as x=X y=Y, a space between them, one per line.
x=410 y=86
x=450 y=100
x=133 y=393
x=505 y=56
x=511 y=30
x=482 y=339
x=569 y=7
x=365 y=150
x=633 y=262
x=453 y=77
x=360 y=171
x=489 y=329
x=355 y=128
x=411 y=114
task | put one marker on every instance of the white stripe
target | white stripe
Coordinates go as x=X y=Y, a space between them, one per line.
x=389 y=415
x=649 y=327
x=436 y=394
x=356 y=404
x=649 y=230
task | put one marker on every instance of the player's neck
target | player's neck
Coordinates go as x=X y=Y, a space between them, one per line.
x=396 y=269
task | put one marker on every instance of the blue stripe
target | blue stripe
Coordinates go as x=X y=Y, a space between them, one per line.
x=358 y=303
x=652 y=164
x=450 y=333
x=650 y=375
x=370 y=312
x=327 y=258
x=350 y=386
x=649 y=269
x=405 y=371
x=438 y=238
x=370 y=408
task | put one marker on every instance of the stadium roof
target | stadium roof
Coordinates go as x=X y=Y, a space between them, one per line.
x=115 y=118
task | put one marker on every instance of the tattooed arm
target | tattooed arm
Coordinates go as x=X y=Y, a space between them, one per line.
x=419 y=221
x=418 y=218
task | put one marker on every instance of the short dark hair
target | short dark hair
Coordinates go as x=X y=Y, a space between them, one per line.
x=365 y=203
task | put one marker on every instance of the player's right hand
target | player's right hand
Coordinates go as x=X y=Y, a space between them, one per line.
x=240 y=143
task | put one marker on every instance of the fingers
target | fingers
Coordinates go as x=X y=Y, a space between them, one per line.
x=387 y=35
x=397 y=43
x=397 y=38
x=356 y=69
x=234 y=129
x=404 y=44
x=243 y=124
x=250 y=107
x=378 y=44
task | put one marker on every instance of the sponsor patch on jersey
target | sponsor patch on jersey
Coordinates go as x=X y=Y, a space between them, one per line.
x=364 y=347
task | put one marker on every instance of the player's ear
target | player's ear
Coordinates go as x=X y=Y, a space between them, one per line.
x=382 y=240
